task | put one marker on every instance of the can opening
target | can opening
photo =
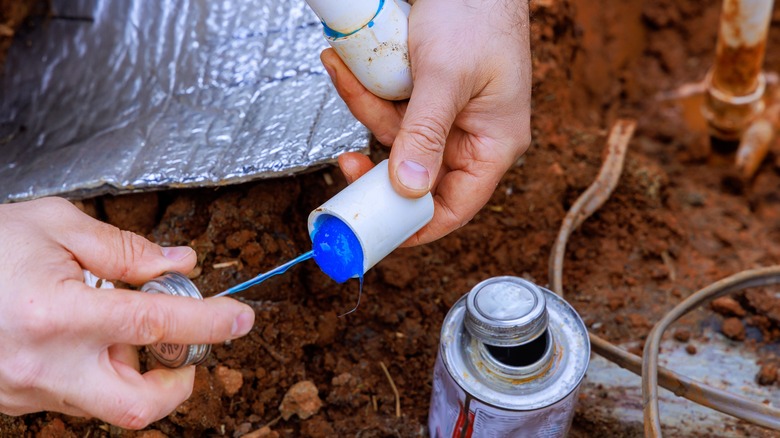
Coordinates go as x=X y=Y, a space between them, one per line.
x=521 y=355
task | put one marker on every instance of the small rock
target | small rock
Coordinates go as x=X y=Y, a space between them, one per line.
x=690 y=349
x=302 y=399
x=733 y=329
x=341 y=379
x=263 y=432
x=727 y=306
x=54 y=429
x=767 y=375
x=231 y=380
x=154 y=433
x=242 y=429
x=682 y=335
x=694 y=199
x=195 y=273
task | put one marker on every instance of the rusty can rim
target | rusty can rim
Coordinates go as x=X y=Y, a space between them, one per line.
x=462 y=359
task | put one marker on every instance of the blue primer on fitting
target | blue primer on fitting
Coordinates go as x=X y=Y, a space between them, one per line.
x=337 y=251
x=334 y=34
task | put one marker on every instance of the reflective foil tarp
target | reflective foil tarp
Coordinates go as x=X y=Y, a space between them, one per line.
x=117 y=96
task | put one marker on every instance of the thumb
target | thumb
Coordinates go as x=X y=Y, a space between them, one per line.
x=114 y=254
x=418 y=148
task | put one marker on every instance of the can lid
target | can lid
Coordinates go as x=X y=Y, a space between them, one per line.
x=175 y=355
x=506 y=311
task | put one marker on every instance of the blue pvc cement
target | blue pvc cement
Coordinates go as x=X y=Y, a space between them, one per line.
x=337 y=250
x=334 y=34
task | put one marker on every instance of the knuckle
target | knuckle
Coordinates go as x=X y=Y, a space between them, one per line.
x=216 y=331
x=133 y=248
x=151 y=322
x=427 y=135
x=39 y=323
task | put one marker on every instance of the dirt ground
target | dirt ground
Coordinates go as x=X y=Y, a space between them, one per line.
x=679 y=220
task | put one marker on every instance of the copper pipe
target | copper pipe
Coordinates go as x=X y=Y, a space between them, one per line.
x=735 y=85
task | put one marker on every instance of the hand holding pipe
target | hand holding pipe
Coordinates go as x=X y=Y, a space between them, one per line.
x=370 y=36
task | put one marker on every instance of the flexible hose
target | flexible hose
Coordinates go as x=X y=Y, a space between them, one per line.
x=588 y=203
x=768 y=416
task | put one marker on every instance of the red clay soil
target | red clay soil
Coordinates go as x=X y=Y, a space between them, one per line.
x=678 y=221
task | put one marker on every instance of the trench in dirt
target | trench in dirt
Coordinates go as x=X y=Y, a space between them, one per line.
x=678 y=221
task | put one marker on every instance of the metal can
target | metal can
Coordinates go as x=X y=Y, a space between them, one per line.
x=176 y=355
x=511 y=359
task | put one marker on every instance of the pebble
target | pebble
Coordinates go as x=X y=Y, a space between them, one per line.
x=231 y=380
x=767 y=375
x=733 y=329
x=54 y=429
x=682 y=335
x=302 y=399
x=728 y=306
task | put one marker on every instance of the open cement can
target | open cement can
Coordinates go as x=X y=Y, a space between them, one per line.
x=511 y=359
x=176 y=355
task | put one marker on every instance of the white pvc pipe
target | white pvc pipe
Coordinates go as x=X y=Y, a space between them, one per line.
x=375 y=48
x=345 y=16
x=380 y=218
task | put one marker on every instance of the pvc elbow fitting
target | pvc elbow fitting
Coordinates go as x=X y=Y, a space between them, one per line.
x=371 y=38
x=380 y=218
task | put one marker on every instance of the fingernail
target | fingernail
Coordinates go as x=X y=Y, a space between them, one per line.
x=331 y=72
x=413 y=176
x=243 y=323
x=177 y=253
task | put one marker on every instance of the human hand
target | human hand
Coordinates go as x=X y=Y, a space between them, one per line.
x=468 y=119
x=67 y=347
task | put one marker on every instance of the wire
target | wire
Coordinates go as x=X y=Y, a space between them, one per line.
x=588 y=203
x=768 y=417
x=593 y=198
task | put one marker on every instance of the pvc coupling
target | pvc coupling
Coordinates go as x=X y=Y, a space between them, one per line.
x=379 y=217
x=370 y=36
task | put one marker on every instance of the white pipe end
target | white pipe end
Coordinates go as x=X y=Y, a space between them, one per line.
x=380 y=218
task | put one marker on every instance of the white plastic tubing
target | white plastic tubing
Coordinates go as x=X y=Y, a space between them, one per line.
x=380 y=218
x=370 y=36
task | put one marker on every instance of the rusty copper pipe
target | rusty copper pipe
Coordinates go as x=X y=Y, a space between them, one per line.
x=735 y=85
x=757 y=138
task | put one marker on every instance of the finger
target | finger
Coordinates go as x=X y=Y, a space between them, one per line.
x=418 y=148
x=380 y=116
x=452 y=212
x=114 y=254
x=454 y=206
x=135 y=401
x=126 y=355
x=354 y=165
x=138 y=318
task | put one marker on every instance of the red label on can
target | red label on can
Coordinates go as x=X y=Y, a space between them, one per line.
x=455 y=414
